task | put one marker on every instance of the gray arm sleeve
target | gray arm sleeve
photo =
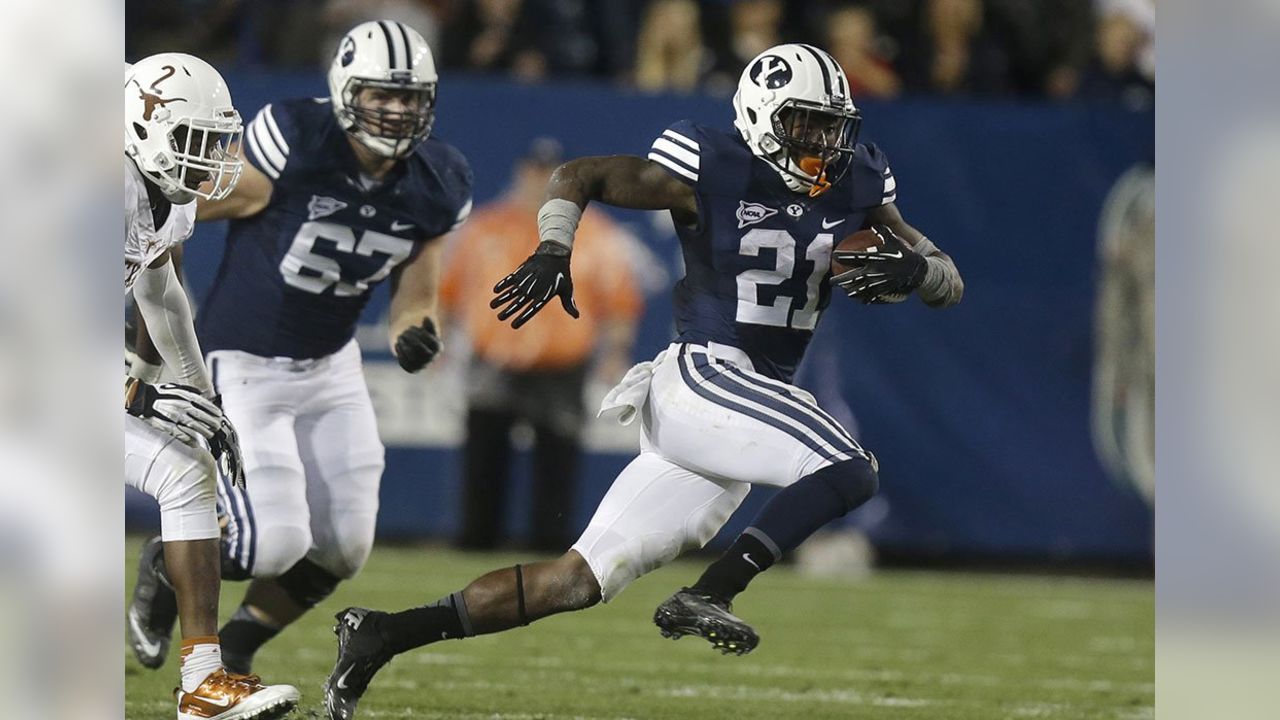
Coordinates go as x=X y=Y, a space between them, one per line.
x=163 y=303
x=942 y=286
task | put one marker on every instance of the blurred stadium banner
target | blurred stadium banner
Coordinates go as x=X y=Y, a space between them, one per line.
x=980 y=415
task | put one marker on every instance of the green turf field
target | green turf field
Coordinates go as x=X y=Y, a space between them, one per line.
x=902 y=645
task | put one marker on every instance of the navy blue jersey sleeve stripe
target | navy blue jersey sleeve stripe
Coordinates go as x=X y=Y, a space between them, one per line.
x=270 y=119
x=673 y=167
x=257 y=155
x=666 y=154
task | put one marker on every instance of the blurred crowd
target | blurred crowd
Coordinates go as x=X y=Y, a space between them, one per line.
x=1094 y=50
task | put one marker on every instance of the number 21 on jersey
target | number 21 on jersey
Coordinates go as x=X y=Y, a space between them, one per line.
x=780 y=313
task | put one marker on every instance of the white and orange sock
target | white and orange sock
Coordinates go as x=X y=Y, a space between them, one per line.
x=201 y=657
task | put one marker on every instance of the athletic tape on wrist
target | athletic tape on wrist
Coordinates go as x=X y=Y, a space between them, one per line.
x=144 y=371
x=558 y=221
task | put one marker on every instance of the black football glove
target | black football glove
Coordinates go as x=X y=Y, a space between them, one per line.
x=527 y=290
x=417 y=346
x=225 y=446
x=885 y=274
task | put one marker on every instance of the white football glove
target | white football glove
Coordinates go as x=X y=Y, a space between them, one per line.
x=170 y=405
x=187 y=414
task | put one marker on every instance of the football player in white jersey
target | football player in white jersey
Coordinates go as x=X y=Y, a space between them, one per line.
x=180 y=127
x=338 y=194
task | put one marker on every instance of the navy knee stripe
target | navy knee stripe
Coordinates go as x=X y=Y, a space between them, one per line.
x=718 y=374
x=236 y=504
x=708 y=374
x=243 y=539
x=782 y=391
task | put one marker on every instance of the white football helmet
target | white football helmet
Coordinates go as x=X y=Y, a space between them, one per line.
x=180 y=127
x=392 y=57
x=793 y=110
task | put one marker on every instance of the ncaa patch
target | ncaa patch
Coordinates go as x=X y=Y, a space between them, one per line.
x=321 y=206
x=752 y=213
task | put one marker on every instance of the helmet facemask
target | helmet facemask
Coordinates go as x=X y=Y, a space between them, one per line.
x=203 y=158
x=816 y=142
x=208 y=156
x=389 y=132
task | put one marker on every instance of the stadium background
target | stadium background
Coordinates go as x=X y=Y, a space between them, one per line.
x=980 y=415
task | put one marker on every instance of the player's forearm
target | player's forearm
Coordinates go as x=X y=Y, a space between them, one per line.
x=407 y=314
x=163 y=304
x=415 y=291
x=146 y=363
x=143 y=347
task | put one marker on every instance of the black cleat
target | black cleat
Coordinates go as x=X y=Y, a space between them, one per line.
x=689 y=612
x=361 y=653
x=153 y=609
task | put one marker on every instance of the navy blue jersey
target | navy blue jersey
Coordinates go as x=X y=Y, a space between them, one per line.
x=758 y=262
x=295 y=277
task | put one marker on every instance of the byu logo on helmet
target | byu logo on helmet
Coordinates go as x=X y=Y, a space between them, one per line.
x=348 y=50
x=752 y=213
x=793 y=110
x=771 y=72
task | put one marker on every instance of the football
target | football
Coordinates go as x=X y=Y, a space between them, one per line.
x=861 y=240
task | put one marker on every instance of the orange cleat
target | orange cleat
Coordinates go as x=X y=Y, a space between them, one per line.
x=228 y=696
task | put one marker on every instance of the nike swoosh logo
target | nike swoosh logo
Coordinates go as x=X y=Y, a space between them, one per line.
x=397 y=226
x=342 y=679
x=141 y=637
x=220 y=702
x=747 y=556
x=896 y=254
x=828 y=226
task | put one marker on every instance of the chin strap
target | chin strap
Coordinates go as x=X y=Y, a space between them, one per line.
x=820 y=185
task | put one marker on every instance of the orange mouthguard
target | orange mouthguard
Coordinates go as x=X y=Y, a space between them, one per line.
x=814 y=166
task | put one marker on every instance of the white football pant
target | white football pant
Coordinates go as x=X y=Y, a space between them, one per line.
x=313 y=461
x=180 y=477
x=710 y=428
